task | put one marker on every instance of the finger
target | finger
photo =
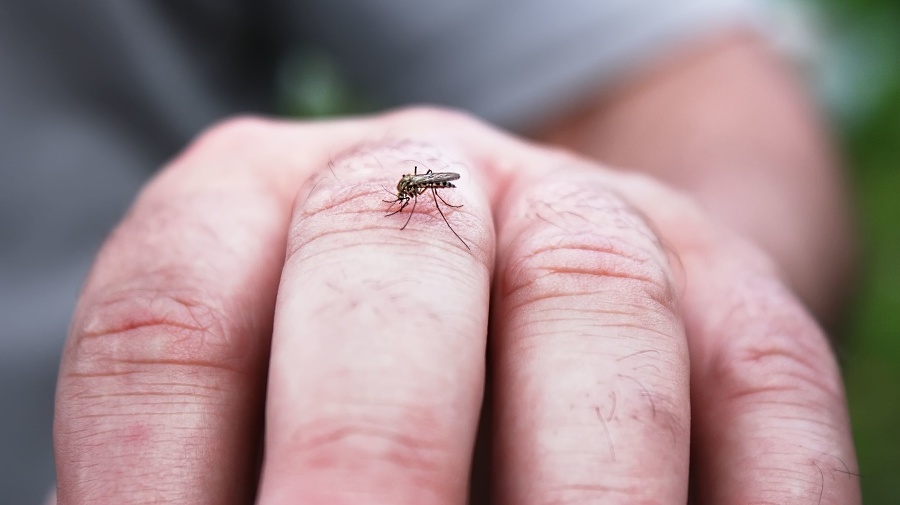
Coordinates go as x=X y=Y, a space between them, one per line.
x=162 y=378
x=770 y=422
x=591 y=370
x=377 y=363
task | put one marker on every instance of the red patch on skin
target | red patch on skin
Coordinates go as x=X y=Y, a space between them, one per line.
x=136 y=434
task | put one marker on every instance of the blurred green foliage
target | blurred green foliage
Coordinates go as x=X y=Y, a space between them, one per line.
x=311 y=85
x=870 y=32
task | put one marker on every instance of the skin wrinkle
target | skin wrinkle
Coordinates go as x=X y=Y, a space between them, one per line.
x=406 y=451
x=122 y=432
x=544 y=332
x=572 y=271
x=584 y=494
x=109 y=355
x=122 y=400
x=779 y=351
x=138 y=413
x=771 y=353
x=795 y=432
x=808 y=480
x=323 y=441
x=608 y=311
x=648 y=320
x=748 y=394
x=567 y=319
x=144 y=400
x=130 y=415
x=789 y=463
x=185 y=310
x=412 y=242
x=732 y=371
x=747 y=390
x=807 y=420
x=151 y=394
x=627 y=252
x=305 y=241
x=607 y=264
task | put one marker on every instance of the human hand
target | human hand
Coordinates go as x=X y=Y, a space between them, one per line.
x=630 y=337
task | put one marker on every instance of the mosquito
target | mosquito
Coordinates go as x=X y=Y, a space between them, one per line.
x=414 y=184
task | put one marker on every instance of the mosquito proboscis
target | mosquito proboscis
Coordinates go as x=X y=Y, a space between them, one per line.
x=414 y=184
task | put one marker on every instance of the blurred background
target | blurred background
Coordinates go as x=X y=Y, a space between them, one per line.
x=849 y=53
x=857 y=77
x=859 y=83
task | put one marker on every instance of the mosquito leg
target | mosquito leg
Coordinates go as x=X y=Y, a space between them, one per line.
x=415 y=201
x=445 y=202
x=390 y=193
x=434 y=194
x=403 y=205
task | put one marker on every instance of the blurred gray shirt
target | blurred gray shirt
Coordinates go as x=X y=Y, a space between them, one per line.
x=95 y=95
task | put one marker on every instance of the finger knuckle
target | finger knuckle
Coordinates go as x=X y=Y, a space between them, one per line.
x=579 y=238
x=594 y=492
x=331 y=210
x=231 y=137
x=409 y=448
x=349 y=196
x=572 y=266
x=240 y=128
x=156 y=330
x=776 y=354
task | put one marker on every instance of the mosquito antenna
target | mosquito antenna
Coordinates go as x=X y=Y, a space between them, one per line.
x=392 y=202
x=434 y=194
x=415 y=201
x=415 y=162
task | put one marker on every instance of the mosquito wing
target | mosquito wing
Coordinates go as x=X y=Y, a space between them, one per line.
x=431 y=178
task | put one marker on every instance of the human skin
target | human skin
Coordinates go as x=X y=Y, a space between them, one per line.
x=631 y=338
x=728 y=123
